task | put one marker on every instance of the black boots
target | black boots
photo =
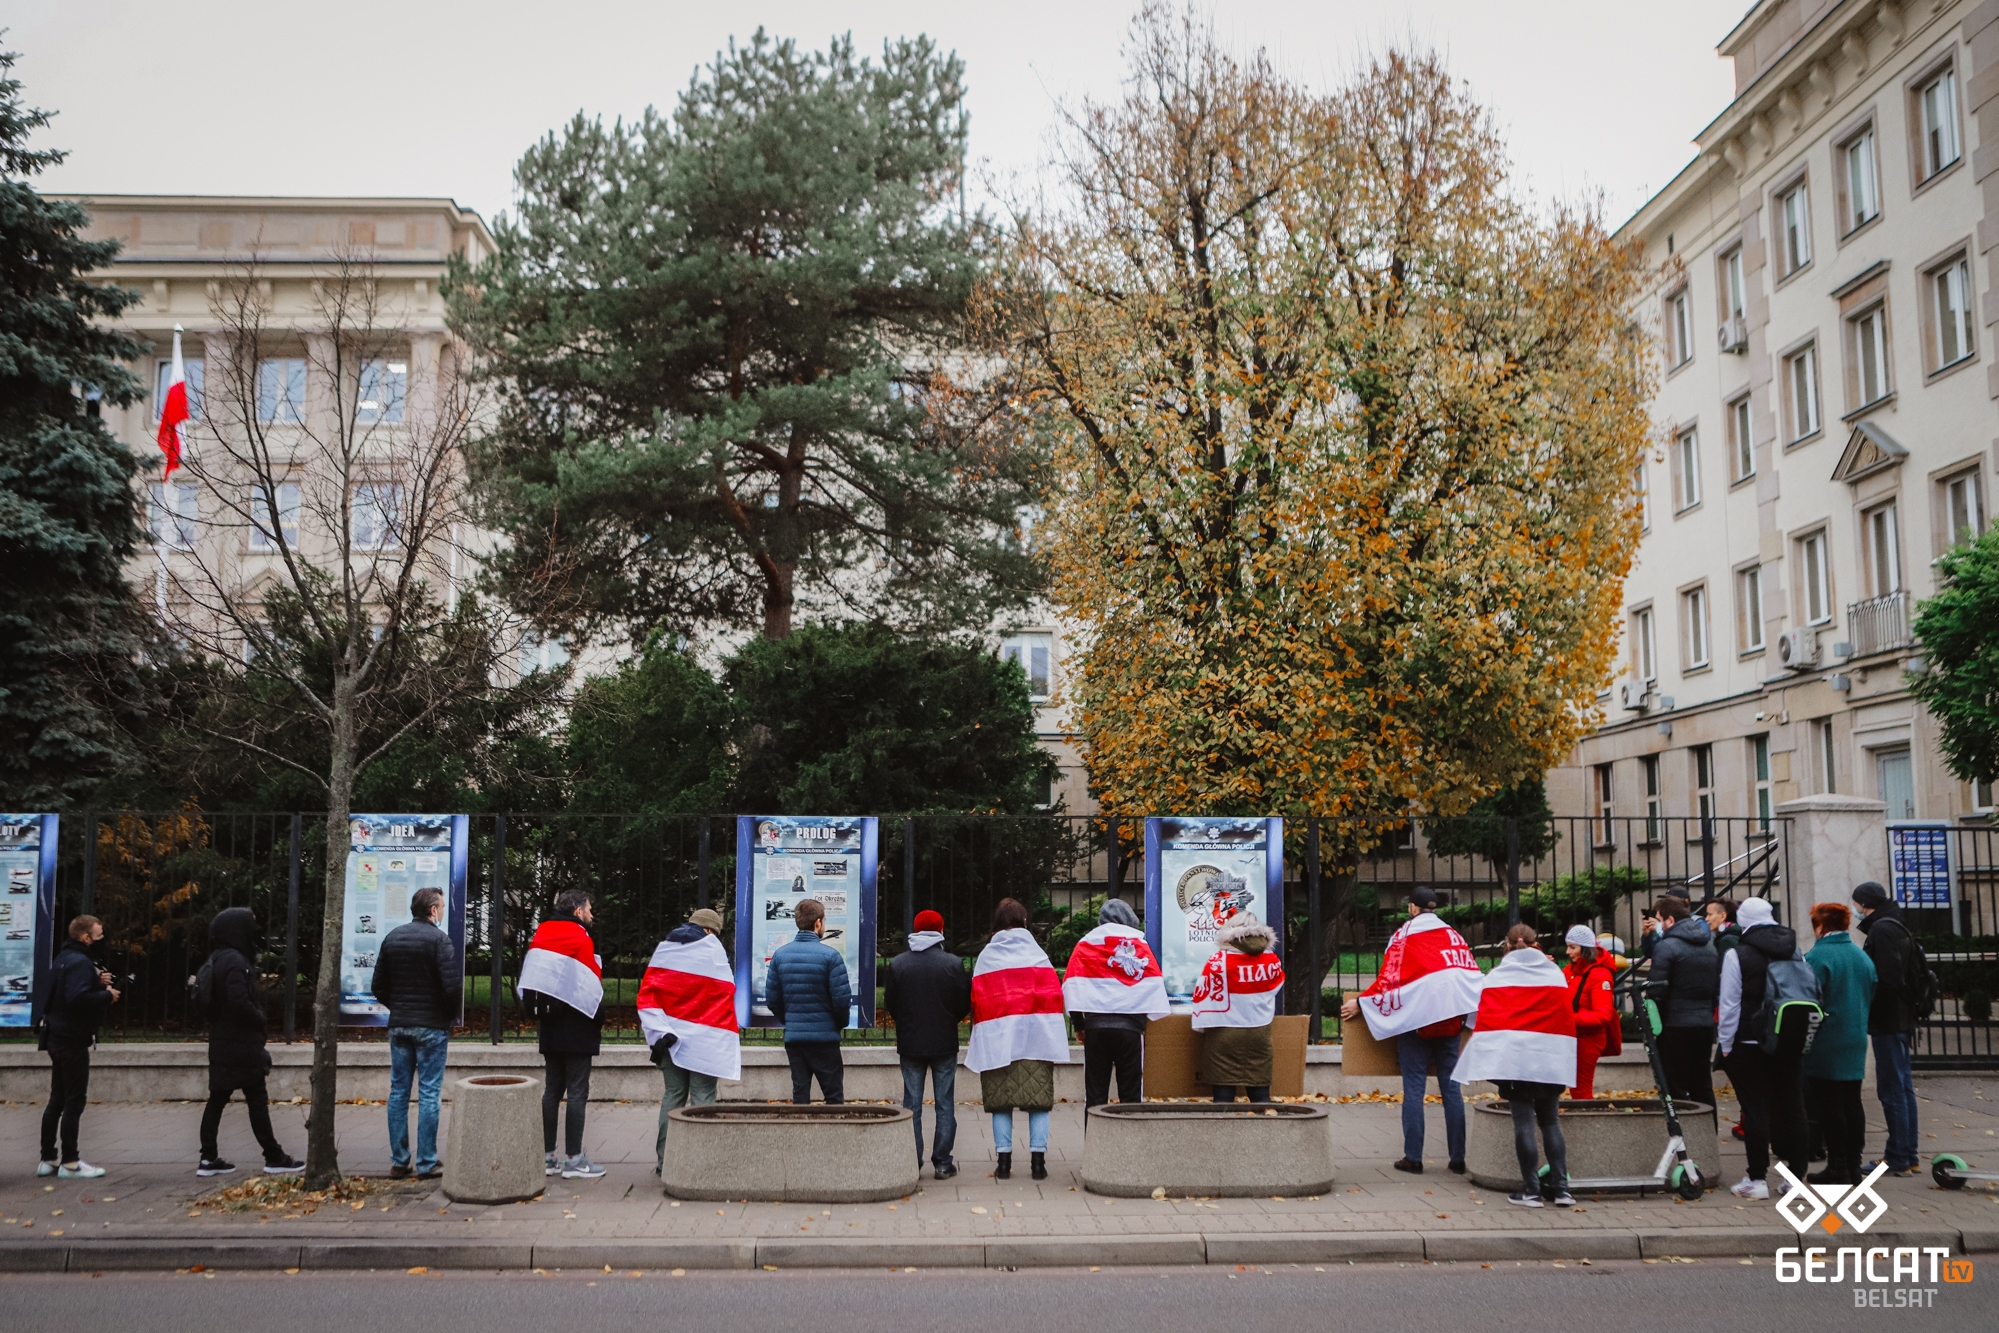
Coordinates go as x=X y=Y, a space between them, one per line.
x=1004 y=1171
x=1039 y=1165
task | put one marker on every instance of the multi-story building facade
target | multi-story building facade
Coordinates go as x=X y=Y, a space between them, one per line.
x=1825 y=310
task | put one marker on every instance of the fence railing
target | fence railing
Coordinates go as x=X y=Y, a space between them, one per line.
x=1879 y=624
x=1956 y=917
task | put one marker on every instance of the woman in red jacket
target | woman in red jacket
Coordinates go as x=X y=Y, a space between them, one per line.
x=1597 y=1025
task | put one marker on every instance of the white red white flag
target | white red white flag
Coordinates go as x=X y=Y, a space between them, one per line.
x=1238 y=990
x=563 y=963
x=1016 y=1005
x=1525 y=1028
x=173 y=410
x=689 y=991
x=1427 y=975
x=1112 y=971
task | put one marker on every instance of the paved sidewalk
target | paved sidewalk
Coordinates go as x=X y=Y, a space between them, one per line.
x=139 y=1215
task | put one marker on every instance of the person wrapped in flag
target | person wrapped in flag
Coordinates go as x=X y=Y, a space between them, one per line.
x=1235 y=1004
x=562 y=985
x=687 y=1011
x=1018 y=1036
x=1112 y=987
x=1524 y=1040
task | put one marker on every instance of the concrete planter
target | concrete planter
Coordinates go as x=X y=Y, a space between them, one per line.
x=493 y=1154
x=1210 y=1148
x=1604 y=1136
x=802 y=1154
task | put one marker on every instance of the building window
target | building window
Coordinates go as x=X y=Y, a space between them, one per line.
x=1981 y=795
x=1704 y=782
x=1749 y=608
x=1034 y=654
x=194 y=369
x=1862 y=197
x=1759 y=764
x=1733 y=291
x=1815 y=576
x=384 y=384
x=1741 y=440
x=1963 y=508
x=1822 y=746
x=281 y=390
x=1607 y=828
x=1687 y=460
x=1868 y=341
x=1680 y=330
x=171 y=515
x=1642 y=647
x=1693 y=604
x=1884 y=564
x=1801 y=392
x=286 y=529
x=1937 y=101
x=540 y=654
x=1644 y=499
x=1950 y=299
x=1794 y=243
x=1649 y=765
x=377 y=516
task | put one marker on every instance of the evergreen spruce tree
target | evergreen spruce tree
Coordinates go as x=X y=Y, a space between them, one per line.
x=70 y=628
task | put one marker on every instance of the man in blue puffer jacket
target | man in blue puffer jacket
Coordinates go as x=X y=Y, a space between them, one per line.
x=809 y=993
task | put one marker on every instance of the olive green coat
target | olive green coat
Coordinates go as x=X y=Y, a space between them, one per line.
x=1237 y=1057
x=1024 y=1085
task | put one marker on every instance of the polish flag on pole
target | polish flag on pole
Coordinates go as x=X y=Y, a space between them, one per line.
x=1525 y=1028
x=173 y=410
x=1016 y=1005
x=689 y=992
x=562 y=963
x=1112 y=971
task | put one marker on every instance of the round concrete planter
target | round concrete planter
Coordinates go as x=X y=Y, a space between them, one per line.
x=786 y=1154
x=493 y=1154
x=1604 y=1137
x=1131 y=1149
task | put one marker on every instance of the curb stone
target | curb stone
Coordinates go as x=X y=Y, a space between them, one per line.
x=870 y=1253
x=1713 y=1242
x=1317 y=1248
x=1063 y=1251
x=1484 y=1245
x=410 y=1253
x=644 y=1254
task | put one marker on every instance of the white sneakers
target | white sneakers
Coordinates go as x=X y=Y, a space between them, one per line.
x=551 y=1165
x=45 y=1169
x=79 y=1170
x=580 y=1167
x=1750 y=1189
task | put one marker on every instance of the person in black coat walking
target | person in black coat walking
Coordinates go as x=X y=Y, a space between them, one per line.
x=236 y=1054
x=569 y=1040
x=79 y=991
x=928 y=994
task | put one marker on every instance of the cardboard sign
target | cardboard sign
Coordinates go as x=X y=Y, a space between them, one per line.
x=1173 y=1057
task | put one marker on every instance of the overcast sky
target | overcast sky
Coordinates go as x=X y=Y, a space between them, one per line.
x=419 y=97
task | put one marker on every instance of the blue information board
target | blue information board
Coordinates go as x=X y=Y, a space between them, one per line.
x=27 y=913
x=1919 y=863
x=389 y=858
x=781 y=860
x=1198 y=873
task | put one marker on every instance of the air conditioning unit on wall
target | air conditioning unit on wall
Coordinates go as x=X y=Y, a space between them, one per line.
x=1798 y=649
x=1734 y=335
x=1633 y=697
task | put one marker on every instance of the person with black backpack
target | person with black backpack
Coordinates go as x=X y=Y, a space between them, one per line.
x=230 y=990
x=1901 y=975
x=1769 y=1004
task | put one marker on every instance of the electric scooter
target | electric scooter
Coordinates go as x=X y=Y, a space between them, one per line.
x=1676 y=1171
x=1951 y=1172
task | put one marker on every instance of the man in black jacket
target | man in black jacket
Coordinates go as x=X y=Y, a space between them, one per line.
x=236 y=1055
x=569 y=1039
x=927 y=995
x=78 y=993
x=1685 y=982
x=418 y=975
x=1891 y=1022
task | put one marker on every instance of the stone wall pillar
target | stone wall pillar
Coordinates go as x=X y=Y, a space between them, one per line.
x=1836 y=842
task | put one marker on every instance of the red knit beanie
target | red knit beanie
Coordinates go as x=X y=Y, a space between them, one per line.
x=929 y=920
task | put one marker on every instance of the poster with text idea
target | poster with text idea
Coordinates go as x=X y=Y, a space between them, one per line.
x=389 y=858
x=27 y=913
x=1199 y=873
x=781 y=860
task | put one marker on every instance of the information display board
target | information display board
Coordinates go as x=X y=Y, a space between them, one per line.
x=781 y=860
x=1919 y=863
x=1198 y=873
x=389 y=858
x=27 y=913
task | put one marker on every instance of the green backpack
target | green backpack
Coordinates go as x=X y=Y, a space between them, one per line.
x=1790 y=1014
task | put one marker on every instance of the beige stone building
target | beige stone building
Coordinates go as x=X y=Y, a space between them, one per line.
x=1824 y=306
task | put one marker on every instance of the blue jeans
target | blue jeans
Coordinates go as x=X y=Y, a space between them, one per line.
x=1897 y=1088
x=1037 y=1131
x=1415 y=1053
x=943 y=1081
x=418 y=1052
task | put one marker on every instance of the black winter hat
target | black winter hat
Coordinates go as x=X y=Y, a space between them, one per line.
x=1871 y=894
x=1423 y=896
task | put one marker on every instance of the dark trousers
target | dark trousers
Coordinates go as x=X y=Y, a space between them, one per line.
x=567 y=1075
x=1532 y=1105
x=1226 y=1093
x=1772 y=1092
x=943 y=1073
x=1686 y=1054
x=820 y=1060
x=69 y=1083
x=1838 y=1117
x=260 y=1118
x=1105 y=1049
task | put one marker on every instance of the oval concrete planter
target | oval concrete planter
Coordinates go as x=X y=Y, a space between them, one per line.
x=1209 y=1148
x=1603 y=1136
x=802 y=1154
x=493 y=1154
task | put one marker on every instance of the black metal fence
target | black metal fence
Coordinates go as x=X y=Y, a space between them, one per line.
x=1958 y=926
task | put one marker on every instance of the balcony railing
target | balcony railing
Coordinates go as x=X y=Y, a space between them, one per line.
x=1879 y=624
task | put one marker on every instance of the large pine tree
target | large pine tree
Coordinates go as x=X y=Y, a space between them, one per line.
x=70 y=630
x=724 y=335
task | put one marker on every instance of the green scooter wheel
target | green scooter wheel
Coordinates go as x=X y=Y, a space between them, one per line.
x=1546 y=1176
x=1942 y=1165
x=1687 y=1184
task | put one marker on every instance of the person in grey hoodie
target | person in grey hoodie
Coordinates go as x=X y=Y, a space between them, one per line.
x=1113 y=1041
x=1685 y=982
x=1769 y=1084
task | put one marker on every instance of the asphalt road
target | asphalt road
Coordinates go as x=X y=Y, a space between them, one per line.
x=1460 y=1298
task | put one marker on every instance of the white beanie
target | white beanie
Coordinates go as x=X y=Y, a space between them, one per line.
x=1582 y=935
x=1754 y=912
